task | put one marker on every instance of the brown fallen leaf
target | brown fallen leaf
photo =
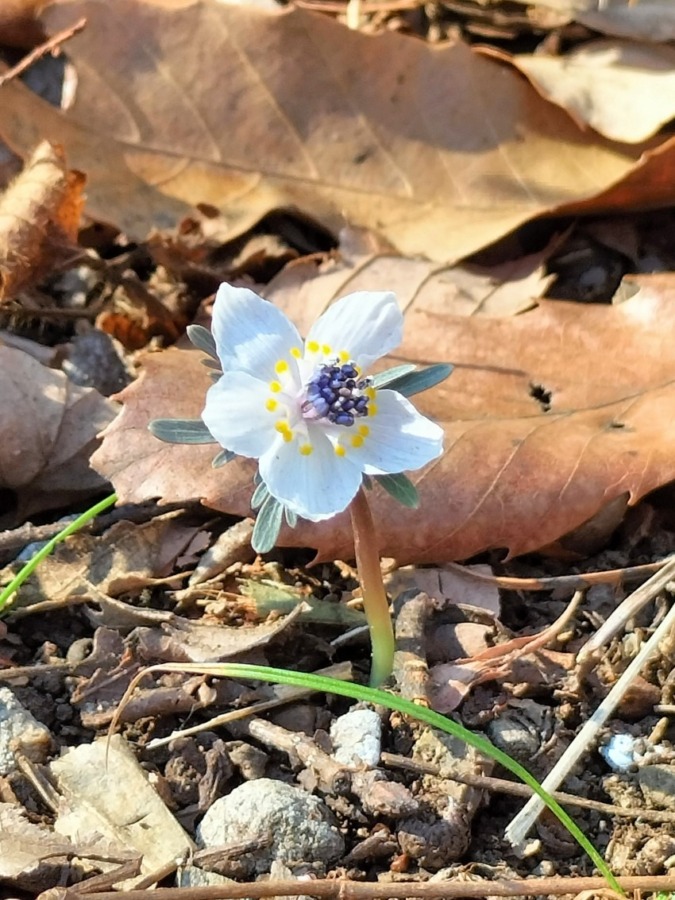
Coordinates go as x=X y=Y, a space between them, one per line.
x=549 y=416
x=49 y=427
x=440 y=148
x=126 y=558
x=626 y=91
x=19 y=26
x=462 y=290
x=39 y=219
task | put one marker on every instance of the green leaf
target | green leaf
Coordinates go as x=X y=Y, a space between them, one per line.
x=260 y=494
x=181 y=431
x=291 y=517
x=385 y=378
x=422 y=380
x=202 y=339
x=220 y=459
x=267 y=525
x=401 y=488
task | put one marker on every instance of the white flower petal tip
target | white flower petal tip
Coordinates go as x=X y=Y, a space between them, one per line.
x=363 y=326
x=251 y=334
x=307 y=411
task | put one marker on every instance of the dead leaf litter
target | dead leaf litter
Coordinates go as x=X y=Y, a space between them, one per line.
x=482 y=160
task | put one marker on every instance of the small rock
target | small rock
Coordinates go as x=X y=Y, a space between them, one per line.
x=657 y=783
x=303 y=835
x=619 y=752
x=357 y=737
x=95 y=360
x=20 y=732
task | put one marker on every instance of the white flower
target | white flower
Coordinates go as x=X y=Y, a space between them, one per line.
x=305 y=409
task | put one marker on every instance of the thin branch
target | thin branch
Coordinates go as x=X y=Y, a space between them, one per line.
x=586 y=738
x=41 y=50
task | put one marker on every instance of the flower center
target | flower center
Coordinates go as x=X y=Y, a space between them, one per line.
x=335 y=392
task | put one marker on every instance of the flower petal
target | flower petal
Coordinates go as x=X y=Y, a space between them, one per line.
x=236 y=415
x=315 y=486
x=365 y=325
x=398 y=438
x=251 y=334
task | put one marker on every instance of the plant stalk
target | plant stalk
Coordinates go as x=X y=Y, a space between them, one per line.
x=375 y=603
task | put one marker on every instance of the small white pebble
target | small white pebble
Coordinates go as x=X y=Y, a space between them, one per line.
x=619 y=752
x=357 y=737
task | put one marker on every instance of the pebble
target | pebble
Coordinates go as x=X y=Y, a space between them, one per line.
x=619 y=752
x=299 y=826
x=20 y=732
x=357 y=737
x=657 y=783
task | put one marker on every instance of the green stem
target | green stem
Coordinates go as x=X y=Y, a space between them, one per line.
x=44 y=552
x=375 y=603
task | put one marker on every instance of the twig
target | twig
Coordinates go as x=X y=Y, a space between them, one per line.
x=42 y=50
x=521 y=823
x=410 y=662
x=342 y=889
x=284 y=694
x=630 y=607
x=331 y=776
x=515 y=789
x=573 y=582
x=17 y=538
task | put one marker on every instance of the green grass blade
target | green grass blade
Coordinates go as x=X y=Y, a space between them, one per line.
x=422 y=714
x=44 y=552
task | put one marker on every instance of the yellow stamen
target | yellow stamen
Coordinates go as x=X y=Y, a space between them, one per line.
x=312 y=346
x=340 y=450
x=343 y=356
x=306 y=449
x=357 y=440
x=284 y=430
x=275 y=387
x=364 y=431
x=372 y=409
x=370 y=393
x=271 y=404
x=326 y=349
x=296 y=352
x=281 y=366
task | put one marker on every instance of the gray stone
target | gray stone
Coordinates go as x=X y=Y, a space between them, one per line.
x=297 y=825
x=20 y=732
x=357 y=737
x=657 y=784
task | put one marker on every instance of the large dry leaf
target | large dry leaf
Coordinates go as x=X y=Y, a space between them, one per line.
x=514 y=474
x=49 y=427
x=626 y=91
x=39 y=220
x=466 y=290
x=440 y=148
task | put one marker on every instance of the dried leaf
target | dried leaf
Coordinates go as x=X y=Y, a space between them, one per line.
x=49 y=427
x=32 y=857
x=126 y=558
x=549 y=416
x=466 y=290
x=626 y=91
x=19 y=24
x=39 y=219
x=440 y=148
x=89 y=777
